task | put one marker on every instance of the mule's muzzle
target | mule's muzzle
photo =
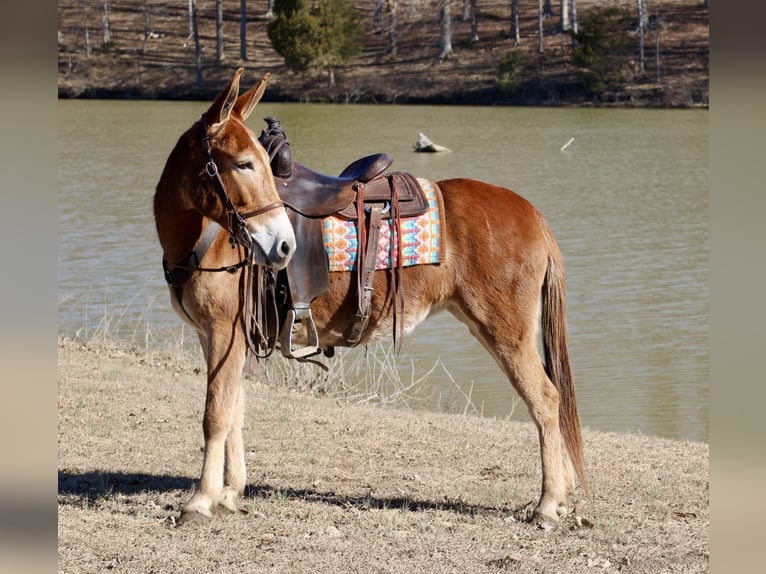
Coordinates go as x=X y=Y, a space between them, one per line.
x=274 y=248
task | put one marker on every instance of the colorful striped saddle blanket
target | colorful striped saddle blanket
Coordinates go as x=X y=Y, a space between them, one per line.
x=421 y=237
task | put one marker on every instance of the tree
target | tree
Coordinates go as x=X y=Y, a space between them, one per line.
x=219 y=55
x=643 y=18
x=445 y=34
x=315 y=33
x=604 y=48
x=146 y=26
x=243 y=30
x=192 y=8
x=197 y=47
x=474 y=25
x=392 y=33
x=565 y=24
x=377 y=16
x=515 y=33
x=540 y=17
x=547 y=9
x=574 y=16
x=106 y=15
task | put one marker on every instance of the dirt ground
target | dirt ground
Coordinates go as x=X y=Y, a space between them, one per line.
x=335 y=486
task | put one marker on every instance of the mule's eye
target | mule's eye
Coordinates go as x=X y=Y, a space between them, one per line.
x=245 y=165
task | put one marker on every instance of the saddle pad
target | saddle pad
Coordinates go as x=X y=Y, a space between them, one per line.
x=422 y=239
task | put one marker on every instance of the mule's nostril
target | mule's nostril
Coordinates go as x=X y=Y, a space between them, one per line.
x=285 y=248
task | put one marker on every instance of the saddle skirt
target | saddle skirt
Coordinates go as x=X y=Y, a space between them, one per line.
x=422 y=239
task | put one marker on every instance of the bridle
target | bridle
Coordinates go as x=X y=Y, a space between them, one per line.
x=259 y=290
x=237 y=227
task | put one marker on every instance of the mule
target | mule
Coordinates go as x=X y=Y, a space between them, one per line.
x=502 y=275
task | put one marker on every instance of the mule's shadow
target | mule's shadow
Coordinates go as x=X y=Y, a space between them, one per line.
x=371 y=502
x=96 y=484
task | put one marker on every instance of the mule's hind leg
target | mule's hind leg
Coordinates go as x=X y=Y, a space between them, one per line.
x=511 y=342
x=542 y=399
x=224 y=404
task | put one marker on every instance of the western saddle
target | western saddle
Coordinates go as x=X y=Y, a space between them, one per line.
x=361 y=193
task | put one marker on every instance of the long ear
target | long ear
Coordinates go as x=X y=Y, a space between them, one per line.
x=220 y=110
x=247 y=101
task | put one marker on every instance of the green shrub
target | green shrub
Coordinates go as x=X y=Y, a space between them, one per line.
x=508 y=77
x=322 y=33
x=604 y=48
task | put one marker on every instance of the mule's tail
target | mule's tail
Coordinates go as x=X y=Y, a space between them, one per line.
x=557 y=364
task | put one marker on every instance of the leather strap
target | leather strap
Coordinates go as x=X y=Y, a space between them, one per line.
x=366 y=274
x=177 y=274
x=397 y=287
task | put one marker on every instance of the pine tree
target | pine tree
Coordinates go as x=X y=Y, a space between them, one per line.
x=316 y=33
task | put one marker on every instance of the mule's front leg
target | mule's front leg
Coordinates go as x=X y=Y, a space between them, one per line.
x=222 y=422
x=234 y=464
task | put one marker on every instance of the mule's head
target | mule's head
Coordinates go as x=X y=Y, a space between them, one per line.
x=228 y=177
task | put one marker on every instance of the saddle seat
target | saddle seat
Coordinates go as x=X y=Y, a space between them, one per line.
x=314 y=194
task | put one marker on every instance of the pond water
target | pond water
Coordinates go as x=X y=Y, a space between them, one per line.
x=627 y=200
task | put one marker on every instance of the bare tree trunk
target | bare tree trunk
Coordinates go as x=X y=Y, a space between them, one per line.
x=574 y=16
x=106 y=13
x=547 y=9
x=243 y=30
x=565 y=24
x=146 y=26
x=392 y=5
x=377 y=16
x=191 y=18
x=219 y=55
x=657 y=44
x=540 y=23
x=474 y=24
x=641 y=24
x=515 y=33
x=574 y=24
x=197 y=48
x=466 y=10
x=445 y=35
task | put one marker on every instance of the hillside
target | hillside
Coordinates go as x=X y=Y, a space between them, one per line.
x=161 y=63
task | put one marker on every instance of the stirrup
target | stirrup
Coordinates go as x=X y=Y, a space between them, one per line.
x=357 y=327
x=299 y=318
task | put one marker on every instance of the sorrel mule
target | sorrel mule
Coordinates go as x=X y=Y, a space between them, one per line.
x=501 y=268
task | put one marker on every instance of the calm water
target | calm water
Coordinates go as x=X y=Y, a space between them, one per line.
x=628 y=201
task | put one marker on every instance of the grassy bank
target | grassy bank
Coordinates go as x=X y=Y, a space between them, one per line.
x=337 y=486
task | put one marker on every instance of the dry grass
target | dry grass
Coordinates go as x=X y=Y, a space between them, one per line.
x=340 y=487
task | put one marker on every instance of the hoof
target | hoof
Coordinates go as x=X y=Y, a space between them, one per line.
x=549 y=520
x=228 y=503
x=545 y=523
x=191 y=517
